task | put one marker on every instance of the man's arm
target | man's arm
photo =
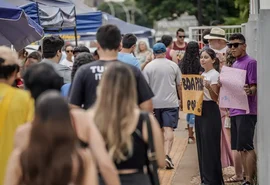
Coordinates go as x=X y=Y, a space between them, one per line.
x=251 y=90
x=77 y=90
x=147 y=105
x=179 y=88
x=145 y=93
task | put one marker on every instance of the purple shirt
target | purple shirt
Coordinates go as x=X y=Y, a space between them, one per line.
x=250 y=65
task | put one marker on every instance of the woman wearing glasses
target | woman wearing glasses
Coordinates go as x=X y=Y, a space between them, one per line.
x=68 y=61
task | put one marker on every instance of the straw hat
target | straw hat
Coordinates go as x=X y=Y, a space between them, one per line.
x=216 y=33
x=7 y=56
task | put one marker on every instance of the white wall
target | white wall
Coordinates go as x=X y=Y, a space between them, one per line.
x=263 y=127
x=264 y=4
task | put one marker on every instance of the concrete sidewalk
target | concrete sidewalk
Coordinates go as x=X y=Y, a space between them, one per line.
x=187 y=168
x=184 y=157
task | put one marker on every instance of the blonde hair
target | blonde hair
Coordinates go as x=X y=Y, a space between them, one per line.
x=114 y=109
x=138 y=46
x=8 y=55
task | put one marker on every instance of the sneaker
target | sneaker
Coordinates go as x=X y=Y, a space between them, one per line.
x=169 y=162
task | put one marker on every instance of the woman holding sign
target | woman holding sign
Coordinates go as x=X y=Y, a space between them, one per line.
x=190 y=64
x=208 y=125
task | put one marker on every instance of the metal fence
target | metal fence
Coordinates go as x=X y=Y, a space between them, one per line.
x=195 y=33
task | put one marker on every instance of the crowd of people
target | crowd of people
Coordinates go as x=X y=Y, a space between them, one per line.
x=91 y=118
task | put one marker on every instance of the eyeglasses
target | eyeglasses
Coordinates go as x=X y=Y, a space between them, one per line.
x=69 y=51
x=235 y=45
x=181 y=36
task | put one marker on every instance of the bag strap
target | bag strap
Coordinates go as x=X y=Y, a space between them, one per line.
x=151 y=149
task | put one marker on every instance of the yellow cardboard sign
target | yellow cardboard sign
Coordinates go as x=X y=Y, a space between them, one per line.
x=192 y=94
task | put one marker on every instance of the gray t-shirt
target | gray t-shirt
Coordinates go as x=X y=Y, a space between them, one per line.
x=163 y=76
x=63 y=71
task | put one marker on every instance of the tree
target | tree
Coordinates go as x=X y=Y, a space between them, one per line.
x=243 y=7
x=158 y=9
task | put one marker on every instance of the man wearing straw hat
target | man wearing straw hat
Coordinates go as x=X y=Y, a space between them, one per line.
x=217 y=40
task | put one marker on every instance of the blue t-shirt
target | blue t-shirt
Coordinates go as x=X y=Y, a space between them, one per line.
x=129 y=59
x=65 y=89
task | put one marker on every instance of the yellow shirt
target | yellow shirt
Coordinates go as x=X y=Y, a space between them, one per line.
x=16 y=108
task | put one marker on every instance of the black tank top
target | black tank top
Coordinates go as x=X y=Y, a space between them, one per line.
x=138 y=158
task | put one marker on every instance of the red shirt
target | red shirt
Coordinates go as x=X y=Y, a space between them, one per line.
x=176 y=48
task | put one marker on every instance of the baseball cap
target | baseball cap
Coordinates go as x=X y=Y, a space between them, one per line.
x=159 y=48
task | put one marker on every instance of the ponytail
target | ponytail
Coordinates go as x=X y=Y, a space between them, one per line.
x=216 y=64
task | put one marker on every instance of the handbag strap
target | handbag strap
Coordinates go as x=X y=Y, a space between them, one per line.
x=151 y=149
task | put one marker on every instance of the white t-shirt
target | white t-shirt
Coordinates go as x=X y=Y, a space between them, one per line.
x=211 y=76
x=67 y=63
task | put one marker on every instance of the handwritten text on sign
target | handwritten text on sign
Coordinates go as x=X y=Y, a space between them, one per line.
x=232 y=94
x=192 y=90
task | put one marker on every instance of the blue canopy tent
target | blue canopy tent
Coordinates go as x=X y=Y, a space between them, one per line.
x=87 y=19
x=139 y=31
x=17 y=28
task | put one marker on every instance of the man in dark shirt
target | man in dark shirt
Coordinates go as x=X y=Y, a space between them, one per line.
x=83 y=89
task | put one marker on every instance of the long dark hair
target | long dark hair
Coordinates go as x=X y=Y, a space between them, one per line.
x=213 y=56
x=190 y=63
x=48 y=158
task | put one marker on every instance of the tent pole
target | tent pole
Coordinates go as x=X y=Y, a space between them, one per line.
x=75 y=32
x=75 y=28
x=38 y=13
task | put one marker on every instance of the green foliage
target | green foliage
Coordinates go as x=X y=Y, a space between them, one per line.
x=140 y=19
x=229 y=12
x=243 y=7
x=158 y=9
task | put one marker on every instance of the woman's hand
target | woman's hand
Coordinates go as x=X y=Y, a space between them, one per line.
x=207 y=84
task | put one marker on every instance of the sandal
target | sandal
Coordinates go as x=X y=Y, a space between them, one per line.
x=234 y=179
x=191 y=140
x=246 y=183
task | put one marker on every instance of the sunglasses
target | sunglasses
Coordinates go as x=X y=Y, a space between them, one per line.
x=235 y=45
x=180 y=36
x=69 y=51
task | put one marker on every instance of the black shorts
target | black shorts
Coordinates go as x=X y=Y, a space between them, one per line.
x=167 y=117
x=242 y=132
